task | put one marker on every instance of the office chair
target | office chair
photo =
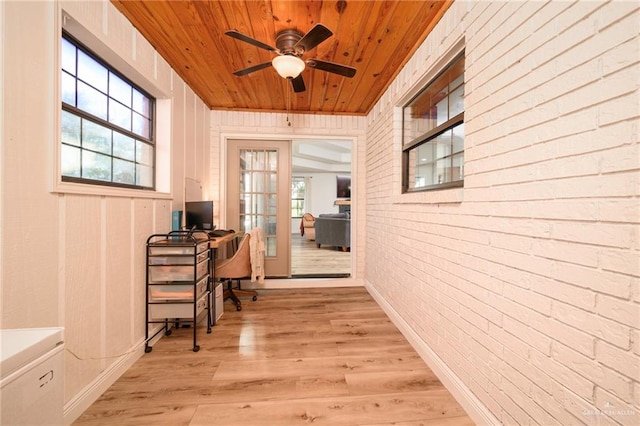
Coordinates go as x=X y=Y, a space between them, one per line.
x=234 y=268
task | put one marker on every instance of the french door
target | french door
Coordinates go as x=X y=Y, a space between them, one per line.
x=258 y=195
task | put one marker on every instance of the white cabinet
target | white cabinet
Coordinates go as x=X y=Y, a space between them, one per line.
x=32 y=380
x=218 y=304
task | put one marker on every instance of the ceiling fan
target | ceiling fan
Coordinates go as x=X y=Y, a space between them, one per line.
x=291 y=45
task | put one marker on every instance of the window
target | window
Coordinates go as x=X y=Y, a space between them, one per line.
x=298 y=190
x=433 y=133
x=107 y=123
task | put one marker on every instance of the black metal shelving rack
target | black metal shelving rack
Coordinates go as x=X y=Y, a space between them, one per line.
x=176 y=261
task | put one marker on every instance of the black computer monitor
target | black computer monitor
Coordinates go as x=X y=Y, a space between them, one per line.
x=199 y=214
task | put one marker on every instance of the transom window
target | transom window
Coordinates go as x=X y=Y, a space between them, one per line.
x=433 y=133
x=107 y=123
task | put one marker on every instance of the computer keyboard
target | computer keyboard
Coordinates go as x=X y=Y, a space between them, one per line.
x=219 y=233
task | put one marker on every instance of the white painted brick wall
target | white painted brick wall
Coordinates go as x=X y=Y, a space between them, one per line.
x=528 y=289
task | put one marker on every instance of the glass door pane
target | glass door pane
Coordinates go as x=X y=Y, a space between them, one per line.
x=259 y=194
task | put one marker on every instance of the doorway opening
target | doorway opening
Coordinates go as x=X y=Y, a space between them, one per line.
x=320 y=208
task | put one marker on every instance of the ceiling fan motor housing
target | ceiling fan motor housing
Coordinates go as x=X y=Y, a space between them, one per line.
x=286 y=41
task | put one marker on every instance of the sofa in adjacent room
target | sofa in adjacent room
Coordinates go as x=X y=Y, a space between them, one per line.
x=333 y=229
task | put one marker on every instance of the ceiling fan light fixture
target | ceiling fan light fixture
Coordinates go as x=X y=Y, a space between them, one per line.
x=288 y=66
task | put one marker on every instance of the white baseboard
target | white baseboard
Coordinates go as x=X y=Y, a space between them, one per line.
x=87 y=396
x=288 y=284
x=478 y=412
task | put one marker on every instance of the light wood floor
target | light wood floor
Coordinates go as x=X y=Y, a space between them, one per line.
x=308 y=259
x=326 y=357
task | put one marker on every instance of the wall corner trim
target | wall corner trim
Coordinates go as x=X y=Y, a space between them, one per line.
x=478 y=412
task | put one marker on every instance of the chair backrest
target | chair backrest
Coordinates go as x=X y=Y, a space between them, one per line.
x=238 y=265
x=308 y=219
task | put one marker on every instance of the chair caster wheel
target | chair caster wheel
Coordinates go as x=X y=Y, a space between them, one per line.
x=238 y=308
x=147 y=349
x=254 y=298
x=196 y=348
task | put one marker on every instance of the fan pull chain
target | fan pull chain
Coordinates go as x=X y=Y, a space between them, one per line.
x=288 y=105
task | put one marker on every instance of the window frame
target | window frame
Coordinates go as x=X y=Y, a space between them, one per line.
x=302 y=209
x=431 y=135
x=84 y=115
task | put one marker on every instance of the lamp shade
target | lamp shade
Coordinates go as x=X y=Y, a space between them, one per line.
x=288 y=66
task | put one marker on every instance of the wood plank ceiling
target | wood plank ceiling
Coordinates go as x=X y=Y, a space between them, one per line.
x=376 y=37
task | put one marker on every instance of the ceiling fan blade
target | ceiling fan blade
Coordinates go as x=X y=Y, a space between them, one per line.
x=331 y=67
x=238 y=35
x=314 y=37
x=298 y=84
x=246 y=71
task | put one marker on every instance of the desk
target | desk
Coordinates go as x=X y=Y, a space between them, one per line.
x=217 y=242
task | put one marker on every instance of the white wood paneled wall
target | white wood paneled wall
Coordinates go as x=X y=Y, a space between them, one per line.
x=77 y=258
